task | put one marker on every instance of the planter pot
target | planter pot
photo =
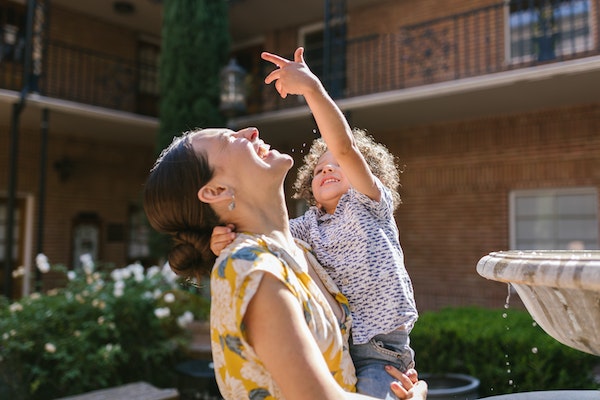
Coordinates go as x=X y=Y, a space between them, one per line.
x=451 y=386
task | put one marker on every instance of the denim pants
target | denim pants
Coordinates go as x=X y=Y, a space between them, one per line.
x=370 y=359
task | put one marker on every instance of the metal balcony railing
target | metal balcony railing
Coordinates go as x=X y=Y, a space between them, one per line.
x=504 y=36
x=81 y=75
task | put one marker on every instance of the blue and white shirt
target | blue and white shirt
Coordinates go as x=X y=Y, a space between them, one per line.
x=359 y=247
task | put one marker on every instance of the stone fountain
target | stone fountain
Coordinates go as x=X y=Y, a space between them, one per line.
x=561 y=291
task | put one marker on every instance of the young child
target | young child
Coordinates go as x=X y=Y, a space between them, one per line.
x=351 y=183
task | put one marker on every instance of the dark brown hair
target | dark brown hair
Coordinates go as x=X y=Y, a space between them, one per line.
x=172 y=206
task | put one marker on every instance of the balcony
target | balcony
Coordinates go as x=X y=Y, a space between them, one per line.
x=502 y=37
x=90 y=77
x=494 y=39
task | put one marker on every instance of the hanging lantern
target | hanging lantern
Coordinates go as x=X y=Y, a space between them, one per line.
x=233 y=89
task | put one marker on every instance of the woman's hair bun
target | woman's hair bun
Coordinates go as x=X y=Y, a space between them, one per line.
x=191 y=255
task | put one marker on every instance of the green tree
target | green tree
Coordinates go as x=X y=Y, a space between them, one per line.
x=195 y=46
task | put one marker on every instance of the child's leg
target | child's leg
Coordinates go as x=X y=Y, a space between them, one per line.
x=371 y=358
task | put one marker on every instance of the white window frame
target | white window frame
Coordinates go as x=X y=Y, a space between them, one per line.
x=552 y=192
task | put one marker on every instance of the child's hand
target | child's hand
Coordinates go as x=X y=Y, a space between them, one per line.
x=221 y=237
x=291 y=77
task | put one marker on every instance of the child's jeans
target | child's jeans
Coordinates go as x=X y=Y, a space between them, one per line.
x=370 y=359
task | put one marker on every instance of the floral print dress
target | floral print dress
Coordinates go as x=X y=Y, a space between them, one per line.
x=234 y=280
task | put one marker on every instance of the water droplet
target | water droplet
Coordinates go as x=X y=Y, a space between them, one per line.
x=507 y=301
x=507 y=363
x=315 y=131
x=534 y=350
x=510 y=381
x=534 y=323
x=504 y=315
x=508 y=371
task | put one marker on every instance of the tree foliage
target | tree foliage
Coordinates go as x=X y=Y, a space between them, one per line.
x=195 y=46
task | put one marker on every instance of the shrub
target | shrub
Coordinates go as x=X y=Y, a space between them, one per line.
x=103 y=329
x=505 y=349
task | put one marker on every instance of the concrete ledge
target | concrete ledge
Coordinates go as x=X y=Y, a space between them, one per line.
x=130 y=391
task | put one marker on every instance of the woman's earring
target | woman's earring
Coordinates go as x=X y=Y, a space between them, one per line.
x=231 y=205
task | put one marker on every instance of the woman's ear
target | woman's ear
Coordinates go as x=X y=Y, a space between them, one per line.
x=213 y=194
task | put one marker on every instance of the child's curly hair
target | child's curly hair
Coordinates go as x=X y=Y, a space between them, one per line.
x=380 y=160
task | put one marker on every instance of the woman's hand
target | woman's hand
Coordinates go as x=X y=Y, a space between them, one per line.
x=408 y=385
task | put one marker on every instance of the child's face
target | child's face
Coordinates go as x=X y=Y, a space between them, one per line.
x=329 y=183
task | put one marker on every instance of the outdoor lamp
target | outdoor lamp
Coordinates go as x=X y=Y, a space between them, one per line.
x=233 y=89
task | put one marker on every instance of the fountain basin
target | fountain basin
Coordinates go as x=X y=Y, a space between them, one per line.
x=560 y=289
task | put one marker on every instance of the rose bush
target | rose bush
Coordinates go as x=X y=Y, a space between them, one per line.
x=104 y=328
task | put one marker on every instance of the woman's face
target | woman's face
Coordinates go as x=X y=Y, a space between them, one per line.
x=240 y=153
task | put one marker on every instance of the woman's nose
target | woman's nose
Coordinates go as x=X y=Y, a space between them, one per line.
x=250 y=133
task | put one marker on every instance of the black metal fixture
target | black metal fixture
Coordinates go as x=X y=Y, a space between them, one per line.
x=123 y=7
x=233 y=89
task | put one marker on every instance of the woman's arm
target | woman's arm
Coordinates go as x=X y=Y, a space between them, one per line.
x=277 y=331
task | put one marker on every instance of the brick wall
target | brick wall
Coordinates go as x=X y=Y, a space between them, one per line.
x=456 y=187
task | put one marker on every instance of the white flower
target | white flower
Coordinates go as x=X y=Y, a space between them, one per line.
x=169 y=298
x=147 y=295
x=162 y=312
x=71 y=275
x=185 y=319
x=42 y=263
x=87 y=262
x=116 y=275
x=137 y=270
x=50 y=348
x=119 y=288
x=15 y=307
x=152 y=271
x=168 y=274
x=100 y=320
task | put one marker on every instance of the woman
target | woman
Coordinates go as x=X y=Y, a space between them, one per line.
x=278 y=323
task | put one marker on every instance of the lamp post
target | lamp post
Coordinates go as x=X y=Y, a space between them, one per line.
x=233 y=90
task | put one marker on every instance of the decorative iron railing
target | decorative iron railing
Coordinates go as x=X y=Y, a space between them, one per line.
x=500 y=37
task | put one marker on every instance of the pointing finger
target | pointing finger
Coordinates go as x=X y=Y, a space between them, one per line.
x=274 y=58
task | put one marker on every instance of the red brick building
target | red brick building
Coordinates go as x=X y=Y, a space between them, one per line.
x=492 y=107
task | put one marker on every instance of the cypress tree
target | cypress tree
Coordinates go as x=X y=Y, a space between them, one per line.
x=195 y=46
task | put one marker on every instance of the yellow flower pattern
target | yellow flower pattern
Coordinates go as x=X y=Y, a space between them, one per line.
x=235 y=278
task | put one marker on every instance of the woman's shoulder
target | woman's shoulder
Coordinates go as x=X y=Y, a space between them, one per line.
x=246 y=254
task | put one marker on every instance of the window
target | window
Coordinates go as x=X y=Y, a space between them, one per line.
x=17 y=241
x=148 y=85
x=12 y=31
x=138 y=248
x=545 y=29
x=326 y=58
x=557 y=219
